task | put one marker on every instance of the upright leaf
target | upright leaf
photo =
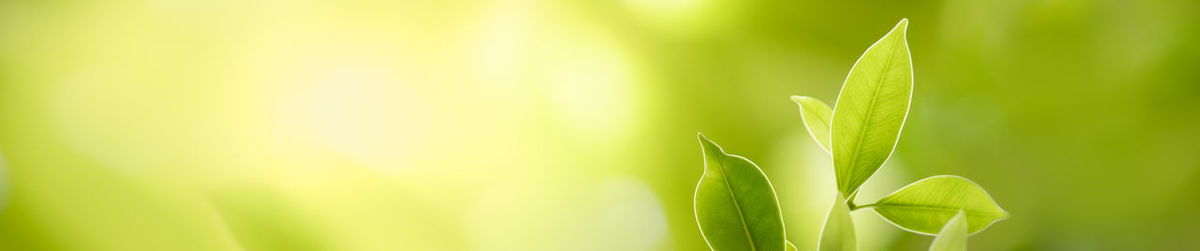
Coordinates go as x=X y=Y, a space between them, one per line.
x=816 y=115
x=838 y=233
x=925 y=206
x=735 y=204
x=870 y=110
x=953 y=236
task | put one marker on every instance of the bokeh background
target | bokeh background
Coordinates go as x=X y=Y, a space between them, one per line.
x=570 y=125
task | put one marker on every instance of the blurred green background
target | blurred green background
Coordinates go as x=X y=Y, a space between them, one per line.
x=570 y=125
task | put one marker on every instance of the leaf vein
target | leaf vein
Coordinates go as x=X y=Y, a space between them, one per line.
x=862 y=130
x=737 y=205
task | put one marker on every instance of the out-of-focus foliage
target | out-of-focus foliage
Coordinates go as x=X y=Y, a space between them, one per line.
x=953 y=236
x=837 y=234
x=541 y=125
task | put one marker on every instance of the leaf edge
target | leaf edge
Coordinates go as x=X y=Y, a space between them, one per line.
x=969 y=233
x=704 y=157
x=851 y=195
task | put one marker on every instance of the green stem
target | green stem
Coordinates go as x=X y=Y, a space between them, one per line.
x=854 y=207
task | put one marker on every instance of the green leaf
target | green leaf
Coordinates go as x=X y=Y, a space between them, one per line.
x=838 y=233
x=791 y=247
x=925 y=206
x=816 y=115
x=870 y=110
x=735 y=204
x=953 y=236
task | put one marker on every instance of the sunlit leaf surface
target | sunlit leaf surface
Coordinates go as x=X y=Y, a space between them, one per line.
x=870 y=110
x=925 y=206
x=816 y=115
x=953 y=236
x=735 y=204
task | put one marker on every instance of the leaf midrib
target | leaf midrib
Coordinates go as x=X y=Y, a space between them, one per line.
x=870 y=111
x=938 y=208
x=737 y=206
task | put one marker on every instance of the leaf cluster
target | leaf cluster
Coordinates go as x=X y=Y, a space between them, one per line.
x=736 y=206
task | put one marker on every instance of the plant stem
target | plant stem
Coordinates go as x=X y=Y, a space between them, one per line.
x=854 y=207
x=851 y=198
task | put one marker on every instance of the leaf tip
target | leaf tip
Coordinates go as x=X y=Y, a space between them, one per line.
x=706 y=144
x=901 y=27
x=798 y=98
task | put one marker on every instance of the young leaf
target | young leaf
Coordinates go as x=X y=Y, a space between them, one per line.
x=816 y=115
x=838 y=233
x=870 y=110
x=735 y=204
x=791 y=247
x=953 y=236
x=925 y=206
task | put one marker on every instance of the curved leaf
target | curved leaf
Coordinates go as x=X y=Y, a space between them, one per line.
x=953 y=236
x=816 y=115
x=838 y=233
x=791 y=247
x=735 y=204
x=870 y=110
x=925 y=206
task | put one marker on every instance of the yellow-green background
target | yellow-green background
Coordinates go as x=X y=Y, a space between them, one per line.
x=570 y=125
